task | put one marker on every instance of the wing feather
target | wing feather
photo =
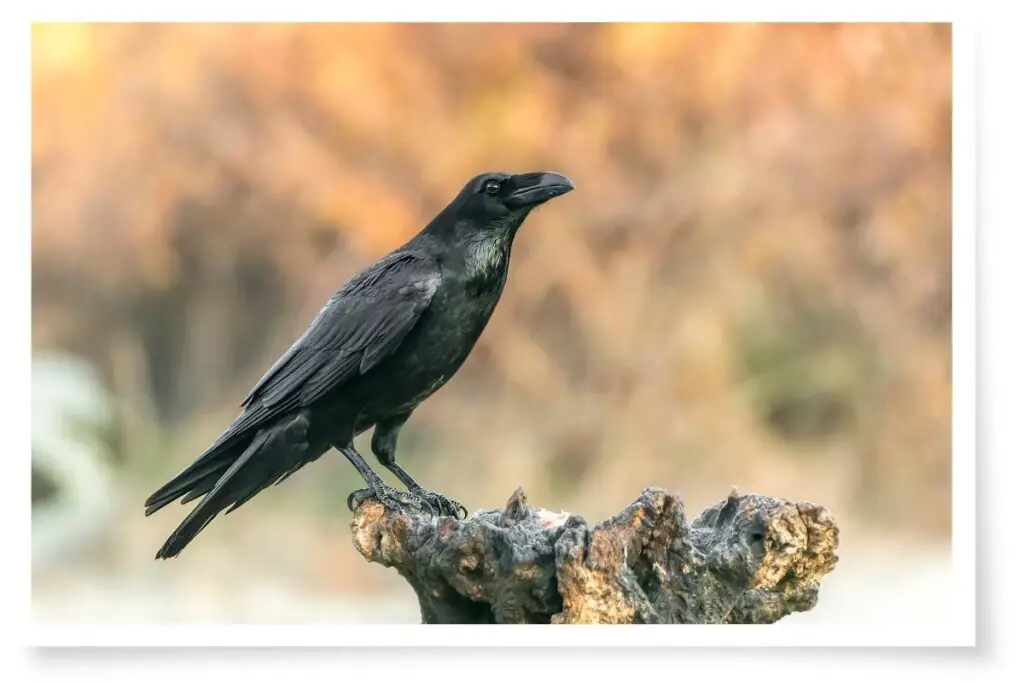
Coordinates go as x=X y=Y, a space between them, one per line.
x=363 y=322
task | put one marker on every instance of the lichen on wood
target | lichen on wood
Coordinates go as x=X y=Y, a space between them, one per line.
x=749 y=559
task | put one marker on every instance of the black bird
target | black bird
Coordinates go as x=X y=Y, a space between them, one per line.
x=384 y=342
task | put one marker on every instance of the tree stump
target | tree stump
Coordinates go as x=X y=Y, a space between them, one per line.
x=749 y=559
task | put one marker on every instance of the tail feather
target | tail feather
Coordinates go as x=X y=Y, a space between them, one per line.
x=231 y=473
x=248 y=495
x=200 y=477
x=205 y=485
x=274 y=475
x=195 y=477
x=224 y=492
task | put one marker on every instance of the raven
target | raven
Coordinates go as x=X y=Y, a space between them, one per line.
x=381 y=345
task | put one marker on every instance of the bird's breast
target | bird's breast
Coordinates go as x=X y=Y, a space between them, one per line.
x=436 y=348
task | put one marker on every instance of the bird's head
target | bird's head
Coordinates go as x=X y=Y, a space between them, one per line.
x=503 y=197
x=497 y=203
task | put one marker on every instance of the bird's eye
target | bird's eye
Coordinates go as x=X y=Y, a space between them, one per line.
x=492 y=187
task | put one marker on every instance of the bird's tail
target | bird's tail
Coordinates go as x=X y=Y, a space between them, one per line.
x=221 y=479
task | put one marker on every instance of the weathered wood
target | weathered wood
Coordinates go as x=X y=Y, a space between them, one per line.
x=748 y=559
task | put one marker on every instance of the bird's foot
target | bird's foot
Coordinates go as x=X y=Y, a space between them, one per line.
x=440 y=504
x=399 y=501
x=390 y=498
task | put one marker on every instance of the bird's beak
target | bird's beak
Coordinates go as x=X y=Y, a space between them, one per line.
x=536 y=188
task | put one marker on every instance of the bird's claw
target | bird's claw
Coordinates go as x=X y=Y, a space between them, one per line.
x=390 y=498
x=441 y=504
x=357 y=497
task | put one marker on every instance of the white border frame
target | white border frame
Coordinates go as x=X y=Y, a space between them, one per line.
x=961 y=629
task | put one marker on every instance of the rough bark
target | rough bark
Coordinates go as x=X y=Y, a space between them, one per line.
x=749 y=559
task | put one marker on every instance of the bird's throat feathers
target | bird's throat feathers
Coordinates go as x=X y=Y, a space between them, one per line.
x=487 y=255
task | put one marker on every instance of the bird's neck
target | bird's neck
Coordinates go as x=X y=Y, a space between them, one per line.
x=486 y=259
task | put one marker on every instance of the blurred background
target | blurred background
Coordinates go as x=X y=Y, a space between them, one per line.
x=750 y=287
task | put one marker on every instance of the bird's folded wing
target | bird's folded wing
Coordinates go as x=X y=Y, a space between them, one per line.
x=360 y=325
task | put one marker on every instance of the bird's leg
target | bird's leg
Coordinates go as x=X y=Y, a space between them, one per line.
x=384 y=444
x=376 y=488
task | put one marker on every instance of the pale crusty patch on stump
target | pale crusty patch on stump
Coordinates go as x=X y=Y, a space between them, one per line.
x=590 y=589
x=800 y=543
x=378 y=537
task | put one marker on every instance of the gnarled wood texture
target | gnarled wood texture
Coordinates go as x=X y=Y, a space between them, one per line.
x=748 y=559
